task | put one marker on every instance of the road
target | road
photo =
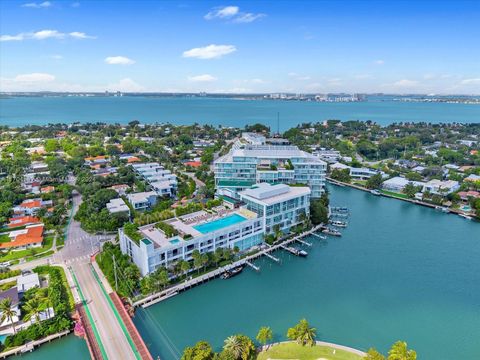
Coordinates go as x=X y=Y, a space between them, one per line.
x=79 y=246
x=112 y=337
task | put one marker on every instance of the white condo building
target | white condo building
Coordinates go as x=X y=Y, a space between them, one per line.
x=162 y=181
x=265 y=206
x=247 y=164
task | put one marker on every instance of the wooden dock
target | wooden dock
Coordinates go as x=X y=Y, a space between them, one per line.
x=176 y=289
x=30 y=346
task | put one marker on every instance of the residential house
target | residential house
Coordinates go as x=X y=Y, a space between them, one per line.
x=27 y=281
x=31 y=236
x=116 y=206
x=142 y=200
x=440 y=187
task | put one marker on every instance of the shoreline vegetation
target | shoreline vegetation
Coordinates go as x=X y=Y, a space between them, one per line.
x=302 y=345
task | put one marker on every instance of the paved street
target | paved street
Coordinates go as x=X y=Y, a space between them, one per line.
x=79 y=246
x=113 y=339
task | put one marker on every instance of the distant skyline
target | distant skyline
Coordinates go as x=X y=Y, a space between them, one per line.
x=428 y=47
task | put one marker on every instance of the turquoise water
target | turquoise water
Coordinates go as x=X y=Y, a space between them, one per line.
x=69 y=347
x=174 y=241
x=227 y=112
x=220 y=223
x=400 y=271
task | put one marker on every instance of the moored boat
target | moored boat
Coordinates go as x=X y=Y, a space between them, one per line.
x=232 y=272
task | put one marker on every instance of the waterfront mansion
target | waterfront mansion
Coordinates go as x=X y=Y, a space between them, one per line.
x=265 y=209
x=248 y=164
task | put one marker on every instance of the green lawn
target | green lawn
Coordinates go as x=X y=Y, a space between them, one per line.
x=4 y=238
x=391 y=193
x=294 y=351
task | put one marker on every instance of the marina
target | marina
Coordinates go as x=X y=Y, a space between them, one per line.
x=188 y=284
x=406 y=263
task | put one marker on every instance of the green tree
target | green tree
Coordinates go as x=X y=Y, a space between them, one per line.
x=200 y=351
x=410 y=190
x=373 y=354
x=264 y=335
x=342 y=175
x=240 y=347
x=374 y=182
x=32 y=309
x=8 y=311
x=318 y=212
x=302 y=333
x=197 y=260
x=184 y=267
x=399 y=351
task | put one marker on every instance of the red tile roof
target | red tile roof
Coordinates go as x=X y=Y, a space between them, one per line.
x=31 y=204
x=22 y=220
x=193 y=163
x=34 y=235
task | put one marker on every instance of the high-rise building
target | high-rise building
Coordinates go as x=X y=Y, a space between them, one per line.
x=247 y=164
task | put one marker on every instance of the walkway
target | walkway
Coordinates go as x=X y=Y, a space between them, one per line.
x=174 y=290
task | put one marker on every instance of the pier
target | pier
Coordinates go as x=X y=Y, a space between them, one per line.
x=323 y=237
x=254 y=267
x=270 y=256
x=176 y=289
x=30 y=346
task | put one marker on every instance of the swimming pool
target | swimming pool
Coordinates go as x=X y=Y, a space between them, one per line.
x=174 y=241
x=219 y=224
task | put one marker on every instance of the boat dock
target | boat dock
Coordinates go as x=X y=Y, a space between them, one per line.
x=30 y=346
x=323 y=237
x=176 y=289
x=254 y=267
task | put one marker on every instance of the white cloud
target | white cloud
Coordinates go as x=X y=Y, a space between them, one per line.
x=257 y=81
x=202 y=78
x=56 y=57
x=45 y=34
x=475 y=81
x=209 y=52
x=233 y=14
x=247 y=18
x=34 y=77
x=222 y=12
x=44 y=4
x=119 y=60
x=379 y=62
x=405 y=83
x=81 y=35
x=18 y=37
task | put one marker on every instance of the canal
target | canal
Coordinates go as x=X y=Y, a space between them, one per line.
x=400 y=271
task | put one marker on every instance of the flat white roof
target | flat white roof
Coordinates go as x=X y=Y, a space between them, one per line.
x=271 y=194
x=141 y=196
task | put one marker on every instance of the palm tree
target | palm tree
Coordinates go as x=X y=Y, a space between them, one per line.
x=233 y=345
x=399 y=351
x=302 y=333
x=8 y=311
x=32 y=309
x=264 y=335
x=184 y=266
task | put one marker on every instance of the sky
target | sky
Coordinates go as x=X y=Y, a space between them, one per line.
x=422 y=46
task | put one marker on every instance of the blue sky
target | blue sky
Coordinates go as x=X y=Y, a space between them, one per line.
x=241 y=46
